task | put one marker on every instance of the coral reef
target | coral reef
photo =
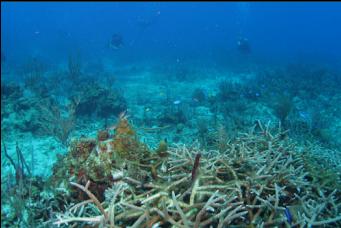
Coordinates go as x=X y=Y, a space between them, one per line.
x=228 y=90
x=139 y=177
x=34 y=73
x=22 y=192
x=260 y=179
x=125 y=143
x=96 y=160
x=199 y=96
x=54 y=122
x=97 y=100
x=10 y=91
x=39 y=115
x=282 y=108
x=74 y=69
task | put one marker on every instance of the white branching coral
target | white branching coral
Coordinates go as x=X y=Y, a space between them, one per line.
x=259 y=179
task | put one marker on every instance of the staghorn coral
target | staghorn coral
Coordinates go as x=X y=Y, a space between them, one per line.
x=319 y=170
x=258 y=179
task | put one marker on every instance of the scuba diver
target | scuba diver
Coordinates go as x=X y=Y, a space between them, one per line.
x=243 y=46
x=116 y=42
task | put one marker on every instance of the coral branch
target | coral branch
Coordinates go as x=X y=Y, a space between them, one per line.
x=91 y=196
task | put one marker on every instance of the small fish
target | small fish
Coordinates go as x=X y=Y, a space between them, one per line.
x=304 y=114
x=177 y=102
x=288 y=215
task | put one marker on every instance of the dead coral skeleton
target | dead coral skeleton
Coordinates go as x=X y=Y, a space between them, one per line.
x=255 y=181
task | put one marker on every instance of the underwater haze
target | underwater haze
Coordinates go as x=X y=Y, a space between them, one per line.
x=170 y=114
x=198 y=31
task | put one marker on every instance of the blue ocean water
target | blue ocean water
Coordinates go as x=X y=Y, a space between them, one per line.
x=173 y=114
x=281 y=31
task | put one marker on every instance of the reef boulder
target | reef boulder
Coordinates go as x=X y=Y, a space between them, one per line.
x=94 y=99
